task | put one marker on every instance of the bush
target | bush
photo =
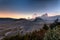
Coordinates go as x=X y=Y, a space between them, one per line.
x=45 y=27
x=53 y=34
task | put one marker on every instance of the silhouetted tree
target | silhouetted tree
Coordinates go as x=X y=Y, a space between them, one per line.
x=56 y=21
x=54 y=24
x=45 y=27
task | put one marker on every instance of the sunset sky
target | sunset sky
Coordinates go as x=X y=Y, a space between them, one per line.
x=26 y=8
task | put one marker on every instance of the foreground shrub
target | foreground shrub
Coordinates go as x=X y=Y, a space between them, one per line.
x=53 y=34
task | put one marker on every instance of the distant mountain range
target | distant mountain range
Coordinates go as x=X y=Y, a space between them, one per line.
x=50 y=19
x=9 y=25
x=46 y=17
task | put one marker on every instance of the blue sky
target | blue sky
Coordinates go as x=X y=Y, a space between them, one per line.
x=29 y=6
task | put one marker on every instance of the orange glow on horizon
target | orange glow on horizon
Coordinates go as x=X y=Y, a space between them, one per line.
x=4 y=14
x=13 y=15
